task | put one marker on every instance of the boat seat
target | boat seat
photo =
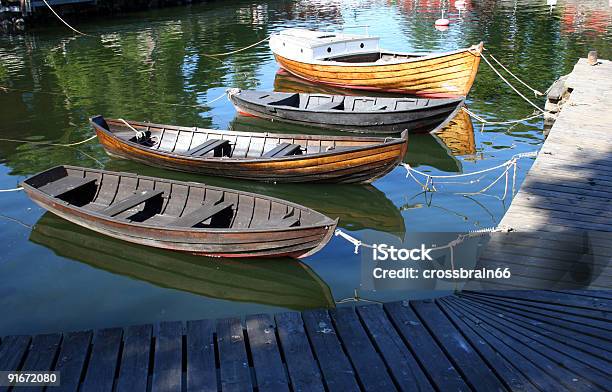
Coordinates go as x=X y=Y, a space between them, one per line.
x=284 y=150
x=327 y=106
x=284 y=222
x=203 y=213
x=221 y=147
x=64 y=185
x=377 y=107
x=138 y=198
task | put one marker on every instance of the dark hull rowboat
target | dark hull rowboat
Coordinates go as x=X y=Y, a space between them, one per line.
x=382 y=115
x=358 y=62
x=282 y=282
x=181 y=216
x=253 y=156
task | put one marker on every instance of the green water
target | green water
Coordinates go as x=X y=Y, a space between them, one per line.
x=152 y=66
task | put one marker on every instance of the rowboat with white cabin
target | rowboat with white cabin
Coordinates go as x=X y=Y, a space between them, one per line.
x=358 y=62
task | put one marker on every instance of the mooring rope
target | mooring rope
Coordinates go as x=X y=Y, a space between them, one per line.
x=536 y=92
x=6 y=89
x=48 y=143
x=11 y=190
x=60 y=18
x=460 y=238
x=429 y=186
x=509 y=84
x=239 y=50
x=487 y=122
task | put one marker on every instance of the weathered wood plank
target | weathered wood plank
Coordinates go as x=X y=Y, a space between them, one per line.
x=234 y=365
x=201 y=366
x=441 y=371
x=370 y=368
x=267 y=362
x=335 y=366
x=71 y=360
x=303 y=369
x=461 y=353
x=135 y=359
x=402 y=365
x=168 y=358
x=103 y=360
x=569 y=364
x=518 y=373
x=12 y=351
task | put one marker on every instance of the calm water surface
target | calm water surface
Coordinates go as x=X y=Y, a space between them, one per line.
x=153 y=66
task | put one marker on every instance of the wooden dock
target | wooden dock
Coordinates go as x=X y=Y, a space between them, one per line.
x=561 y=218
x=474 y=341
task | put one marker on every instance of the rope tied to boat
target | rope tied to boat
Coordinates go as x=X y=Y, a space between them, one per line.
x=62 y=20
x=49 y=143
x=482 y=55
x=537 y=93
x=140 y=135
x=11 y=190
x=239 y=50
x=357 y=243
x=511 y=163
x=508 y=122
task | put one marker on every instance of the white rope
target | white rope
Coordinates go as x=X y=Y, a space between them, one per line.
x=509 y=84
x=238 y=50
x=482 y=120
x=139 y=134
x=48 y=143
x=511 y=163
x=60 y=18
x=460 y=238
x=536 y=92
x=11 y=190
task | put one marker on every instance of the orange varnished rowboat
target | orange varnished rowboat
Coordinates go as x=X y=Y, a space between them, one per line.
x=357 y=61
x=259 y=156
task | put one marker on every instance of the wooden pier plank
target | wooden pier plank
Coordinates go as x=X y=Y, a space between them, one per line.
x=462 y=354
x=568 y=371
x=135 y=359
x=234 y=364
x=103 y=360
x=12 y=351
x=71 y=360
x=519 y=373
x=369 y=366
x=400 y=361
x=303 y=369
x=201 y=366
x=267 y=362
x=441 y=371
x=168 y=358
x=335 y=366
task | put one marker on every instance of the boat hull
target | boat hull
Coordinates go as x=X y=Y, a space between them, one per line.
x=359 y=166
x=296 y=242
x=420 y=120
x=442 y=76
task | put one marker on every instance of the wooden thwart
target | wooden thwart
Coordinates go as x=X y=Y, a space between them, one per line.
x=131 y=202
x=65 y=185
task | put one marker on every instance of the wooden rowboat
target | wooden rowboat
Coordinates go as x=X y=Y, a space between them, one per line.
x=282 y=282
x=182 y=216
x=357 y=61
x=381 y=115
x=253 y=156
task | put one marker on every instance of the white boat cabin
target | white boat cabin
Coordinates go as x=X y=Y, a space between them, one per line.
x=309 y=45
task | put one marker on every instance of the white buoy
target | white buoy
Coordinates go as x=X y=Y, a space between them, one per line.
x=442 y=21
x=460 y=4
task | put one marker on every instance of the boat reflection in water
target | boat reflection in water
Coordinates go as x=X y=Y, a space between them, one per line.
x=284 y=283
x=441 y=148
x=359 y=206
x=458 y=135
